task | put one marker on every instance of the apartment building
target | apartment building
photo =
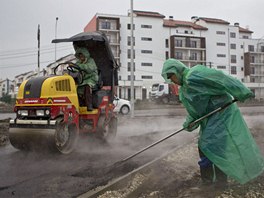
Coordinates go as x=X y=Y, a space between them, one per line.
x=212 y=42
x=6 y=87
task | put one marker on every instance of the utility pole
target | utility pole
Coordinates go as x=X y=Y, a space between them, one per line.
x=132 y=59
x=38 y=37
x=56 y=24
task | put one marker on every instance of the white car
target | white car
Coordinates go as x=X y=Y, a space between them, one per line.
x=122 y=106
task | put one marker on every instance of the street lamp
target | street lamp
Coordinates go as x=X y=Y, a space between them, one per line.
x=56 y=24
x=132 y=58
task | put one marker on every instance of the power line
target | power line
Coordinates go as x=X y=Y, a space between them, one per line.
x=26 y=54
x=25 y=65
x=27 y=49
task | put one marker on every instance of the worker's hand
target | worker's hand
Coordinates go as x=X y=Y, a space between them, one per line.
x=190 y=126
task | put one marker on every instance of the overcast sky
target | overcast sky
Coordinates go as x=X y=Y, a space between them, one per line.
x=19 y=21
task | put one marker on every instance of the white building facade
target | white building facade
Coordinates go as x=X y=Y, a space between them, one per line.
x=208 y=41
x=6 y=87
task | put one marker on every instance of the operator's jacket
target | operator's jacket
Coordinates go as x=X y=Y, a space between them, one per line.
x=88 y=68
x=224 y=137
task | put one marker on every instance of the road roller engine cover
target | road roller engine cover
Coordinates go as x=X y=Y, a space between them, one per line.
x=51 y=113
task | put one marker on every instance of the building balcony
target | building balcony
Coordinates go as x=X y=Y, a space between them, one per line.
x=108 y=30
x=189 y=48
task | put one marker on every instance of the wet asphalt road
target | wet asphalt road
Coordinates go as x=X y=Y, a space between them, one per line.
x=37 y=174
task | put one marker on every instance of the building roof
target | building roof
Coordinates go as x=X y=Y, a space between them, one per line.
x=71 y=56
x=244 y=30
x=23 y=74
x=148 y=14
x=213 y=20
x=177 y=23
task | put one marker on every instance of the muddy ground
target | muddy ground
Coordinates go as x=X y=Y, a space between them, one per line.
x=176 y=176
x=4 y=132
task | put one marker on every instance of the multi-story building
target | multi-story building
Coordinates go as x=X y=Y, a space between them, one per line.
x=212 y=42
x=6 y=87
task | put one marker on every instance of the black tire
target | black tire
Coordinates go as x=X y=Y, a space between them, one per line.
x=125 y=110
x=112 y=128
x=65 y=138
x=107 y=130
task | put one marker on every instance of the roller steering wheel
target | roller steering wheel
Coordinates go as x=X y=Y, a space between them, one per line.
x=73 y=70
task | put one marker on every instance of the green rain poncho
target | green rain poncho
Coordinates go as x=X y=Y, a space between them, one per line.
x=89 y=69
x=224 y=137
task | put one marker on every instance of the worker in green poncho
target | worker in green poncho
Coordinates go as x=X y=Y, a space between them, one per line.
x=225 y=144
x=89 y=72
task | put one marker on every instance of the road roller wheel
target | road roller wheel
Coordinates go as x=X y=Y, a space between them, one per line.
x=65 y=137
x=107 y=129
x=16 y=143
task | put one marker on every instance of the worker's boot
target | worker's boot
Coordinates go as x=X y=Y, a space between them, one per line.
x=89 y=98
x=221 y=179
x=206 y=168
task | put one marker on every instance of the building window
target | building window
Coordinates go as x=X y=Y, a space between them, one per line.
x=106 y=25
x=167 y=43
x=251 y=48
x=146 y=26
x=233 y=70
x=232 y=34
x=178 y=43
x=252 y=59
x=129 y=77
x=146 y=39
x=241 y=46
x=193 y=44
x=233 y=46
x=129 y=26
x=178 y=55
x=129 y=66
x=220 y=44
x=252 y=70
x=220 y=32
x=252 y=79
x=167 y=54
x=262 y=49
x=146 y=64
x=245 y=37
x=119 y=77
x=129 y=41
x=221 y=55
x=146 y=77
x=242 y=57
x=129 y=53
x=193 y=56
x=233 y=59
x=146 y=51
x=221 y=67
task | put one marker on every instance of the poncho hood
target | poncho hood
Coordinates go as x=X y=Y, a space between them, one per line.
x=176 y=67
x=83 y=51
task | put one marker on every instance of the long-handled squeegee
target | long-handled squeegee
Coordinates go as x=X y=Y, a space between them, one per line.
x=174 y=133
